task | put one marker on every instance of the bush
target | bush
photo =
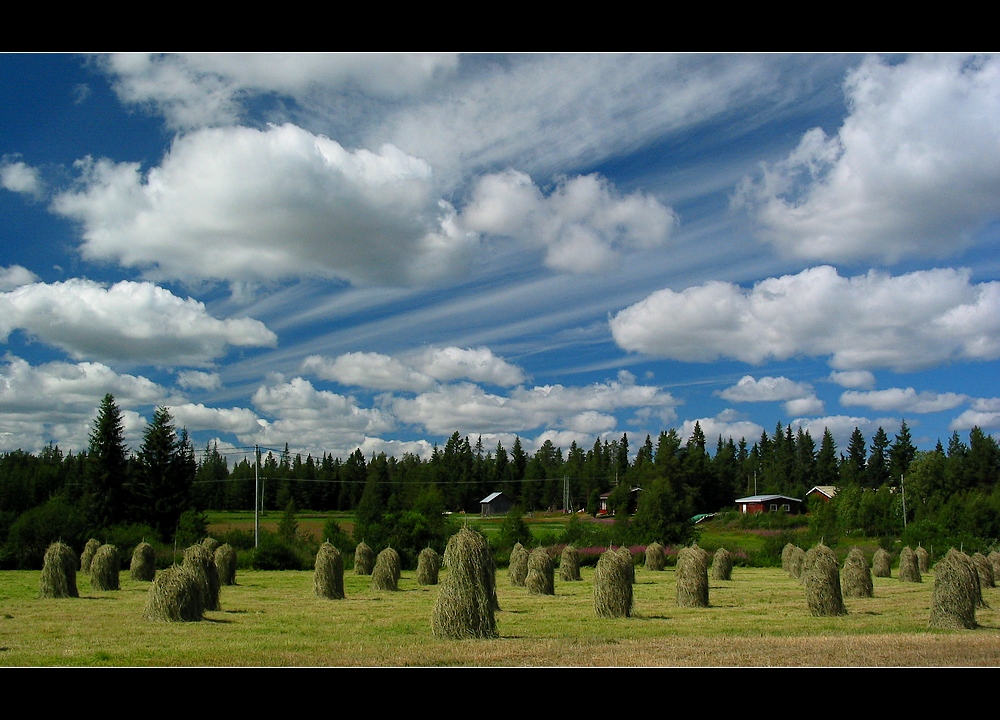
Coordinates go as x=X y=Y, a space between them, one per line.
x=275 y=554
x=192 y=527
x=58 y=520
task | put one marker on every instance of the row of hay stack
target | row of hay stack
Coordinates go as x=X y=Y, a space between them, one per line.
x=183 y=593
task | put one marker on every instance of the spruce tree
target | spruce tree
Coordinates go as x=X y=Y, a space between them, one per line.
x=107 y=466
x=166 y=470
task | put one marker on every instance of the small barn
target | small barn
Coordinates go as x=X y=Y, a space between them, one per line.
x=495 y=504
x=769 y=503
x=822 y=492
x=633 y=502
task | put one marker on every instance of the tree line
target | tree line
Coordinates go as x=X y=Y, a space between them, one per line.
x=885 y=484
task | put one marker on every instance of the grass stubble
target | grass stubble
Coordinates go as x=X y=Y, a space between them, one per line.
x=274 y=619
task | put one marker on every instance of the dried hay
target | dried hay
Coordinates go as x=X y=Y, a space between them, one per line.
x=176 y=595
x=328 y=573
x=385 y=575
x=59 y=572
x=956 y=592
x=517 y=568
x=87 y=556
x=821 y=572
x=994 y=558
x=985 y=569
x=857 y=576
x=105 y=568
x=211 y=544
x=786 y=557
x=428 y=566
x=364 y=559
x=692 y=577
x=923 y=559
x=882 y=563
x=613 y=586
x=225 y=563
x=795 y=562
x=655 y=558
x=467 y=600
x=909 y=568
x=569 y=564
x=722 y=565
x=541 y=573
x=202 y=563
x=627 y=555
x=143 y=565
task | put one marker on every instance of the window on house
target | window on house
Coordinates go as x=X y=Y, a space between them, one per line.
x=774 y=507
x=786 y=507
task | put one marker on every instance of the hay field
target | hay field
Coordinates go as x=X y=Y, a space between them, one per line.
x=759 y=618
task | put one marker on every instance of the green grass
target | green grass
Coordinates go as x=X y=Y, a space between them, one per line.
x=272 y=618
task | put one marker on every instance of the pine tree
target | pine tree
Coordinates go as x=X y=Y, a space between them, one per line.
x=901 y=453
x=166 y=470
x=107 y=466
x=877 y=469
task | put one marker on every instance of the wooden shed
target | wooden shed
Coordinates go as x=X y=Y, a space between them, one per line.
x=495 y=504
x=769 y=503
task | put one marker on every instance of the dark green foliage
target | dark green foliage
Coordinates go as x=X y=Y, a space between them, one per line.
x=333 y=534
x=192 y=527
x=58 y=578
x=33 y=532
x=106 y=467
x=288 y=528
x=165 y=469
x=272 y=553
x=513 y=530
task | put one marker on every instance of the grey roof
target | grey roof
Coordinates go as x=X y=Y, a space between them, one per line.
x=491 y=497
x=765 y=498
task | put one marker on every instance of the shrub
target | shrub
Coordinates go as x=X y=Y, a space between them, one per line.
x=541 y=573
x=822 y=580
x=909 y=569
x=87 y=556
x=385 y=574
x=225 y=563
x=654 y=556
x=35 y=529
x=692 y=577
x=857 y=576
x=466 y=603
x=328 y=573
x=143 y=565
x=364 y=559
x=613 y=586
x=192 y=527
x=105 y=568
x=176 y=596
x=428 y=565
x=517 y=568
x=722 y=565
x=273 y=553
x=882 y=563
x=202 y=563
x=59 y=572
x=569 y=564
x=956 y=588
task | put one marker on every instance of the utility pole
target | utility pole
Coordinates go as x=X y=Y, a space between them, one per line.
x=566 y=493
x=256 y=496
x=902 y=490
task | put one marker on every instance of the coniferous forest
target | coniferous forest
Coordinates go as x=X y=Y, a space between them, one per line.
x=159 y=491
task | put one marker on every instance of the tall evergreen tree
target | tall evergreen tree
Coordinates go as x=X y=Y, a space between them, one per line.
x=877 y=469
x=901 y=453
x=107 y=466
x=165 y=472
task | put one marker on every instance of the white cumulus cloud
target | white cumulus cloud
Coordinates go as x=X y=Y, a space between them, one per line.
x=903 y=400
x=21 y=178
x=913 y=170
x=905 y=322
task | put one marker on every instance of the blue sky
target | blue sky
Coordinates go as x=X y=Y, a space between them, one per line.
x=376 y=251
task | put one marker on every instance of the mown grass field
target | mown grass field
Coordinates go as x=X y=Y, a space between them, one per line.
x=759 y=618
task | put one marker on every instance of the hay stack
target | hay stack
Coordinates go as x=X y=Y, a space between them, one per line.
x=143 y=565
x=956 y=588
x=882 y=563
x=909 y=568
x=857 y=576
x=87 y=556
x=211 y=544
x=385 y=575
x=796 y=560
x=627 y=556
x=328 y=573
x=786 y=557
x=541 y=573
x=364 y=559
x=428 y=566
x=994 y=558
x=923 y=559
x=985 y=569
x=722 y=565
x=692 y=577
x=59 y=572
x=517 y=569
x=821 y=572
x=569 y=564
x=176 y=596
x=467 y=601
x=225 y=564
x=655 y=558
x=105 y=568
x=613 y=586
x=202 y=564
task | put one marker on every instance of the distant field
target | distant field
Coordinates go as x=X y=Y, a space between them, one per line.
x=759 y=618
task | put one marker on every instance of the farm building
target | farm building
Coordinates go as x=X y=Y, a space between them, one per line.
x=823 y=492
x=633 y=501
x=769 y=503
x=495 y=504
